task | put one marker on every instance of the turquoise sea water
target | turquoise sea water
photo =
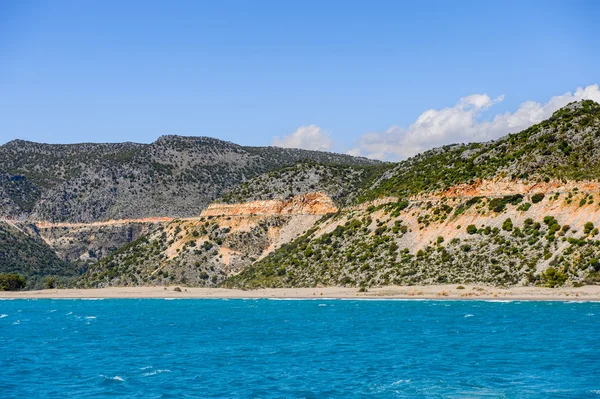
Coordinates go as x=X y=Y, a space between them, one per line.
x=155 y=348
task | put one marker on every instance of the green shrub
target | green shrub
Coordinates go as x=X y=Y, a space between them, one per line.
x=553 y=278
x=524 y=206
x=471 y=229
x=537 y=197
x=588 y=227
x=507 y=225
x=499 y=204
x=12 y=282
x=50 y=282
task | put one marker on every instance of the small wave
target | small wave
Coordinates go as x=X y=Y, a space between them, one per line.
x=17 y=322
x=151 y=373
x=115 y=378
x=294 y=299
x=90 y=317
x=469 y=315
x=388 y=299
x=322 y=304
x=91 y=299
x=499 y=300
x=3 y=316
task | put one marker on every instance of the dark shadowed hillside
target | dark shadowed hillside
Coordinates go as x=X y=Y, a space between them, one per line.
x=24 y=253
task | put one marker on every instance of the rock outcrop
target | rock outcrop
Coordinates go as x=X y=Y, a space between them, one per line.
x=307 y=204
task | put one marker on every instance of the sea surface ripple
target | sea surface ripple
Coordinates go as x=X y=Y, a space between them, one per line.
x=207 y=348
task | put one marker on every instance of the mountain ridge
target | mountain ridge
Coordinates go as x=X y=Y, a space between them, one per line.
x=174 y=176
x=520 y=210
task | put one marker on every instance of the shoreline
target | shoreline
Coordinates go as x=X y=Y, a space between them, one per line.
x=470 y=292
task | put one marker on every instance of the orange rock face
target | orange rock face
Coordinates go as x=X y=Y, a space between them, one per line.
x=500 y=187
x=308 y=204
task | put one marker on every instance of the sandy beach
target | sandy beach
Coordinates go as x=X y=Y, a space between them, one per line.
x=586 y=293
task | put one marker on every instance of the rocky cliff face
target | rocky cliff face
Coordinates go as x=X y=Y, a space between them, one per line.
x=544 y=238
x=307 y=204
x=81 y=243
x=205 y=250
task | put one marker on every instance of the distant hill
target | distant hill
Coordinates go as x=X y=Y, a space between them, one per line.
x=343 y=183
x=174 y=176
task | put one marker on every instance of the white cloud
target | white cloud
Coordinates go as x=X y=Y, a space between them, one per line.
x=461 y=123
x=355 y=152
x=310 y=137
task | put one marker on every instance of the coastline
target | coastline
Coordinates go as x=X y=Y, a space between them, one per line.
x=586 y=293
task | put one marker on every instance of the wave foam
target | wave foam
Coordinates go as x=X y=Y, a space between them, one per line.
x=499 y=300
x=115 y=378
x=151 y=373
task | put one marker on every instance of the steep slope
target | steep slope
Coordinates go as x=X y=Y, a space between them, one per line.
x=89 y=242
x=174 y=176
x=341 y=182
x=21 y=252
x=415 y=230
x=203 y=251
x=498 y=241
x=564 y=147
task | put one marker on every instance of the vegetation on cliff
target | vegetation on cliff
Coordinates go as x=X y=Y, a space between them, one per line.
x=31 y=258
x=424 y=243
x=341 y=182
x=200 y=252
x=564 y=147
x=521 y=210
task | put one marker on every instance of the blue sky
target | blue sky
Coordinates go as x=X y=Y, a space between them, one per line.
x=356 y=76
